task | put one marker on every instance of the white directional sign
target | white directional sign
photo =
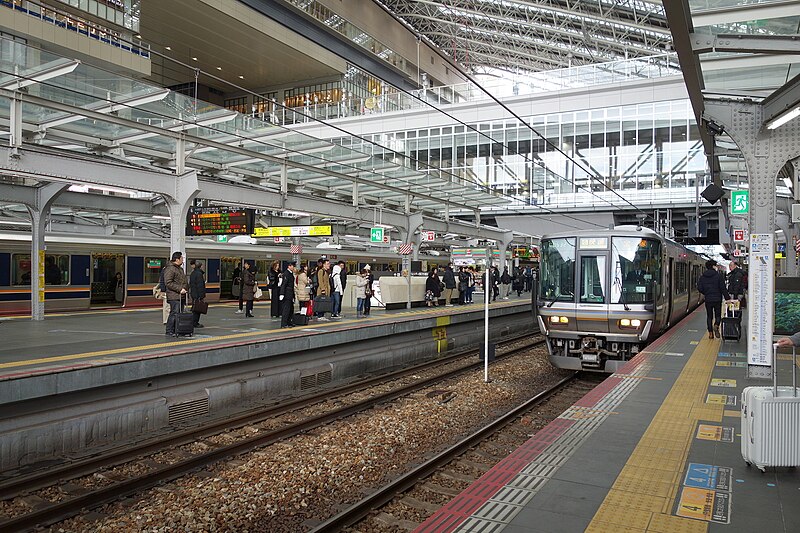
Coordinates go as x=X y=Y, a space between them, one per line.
x=761 y=298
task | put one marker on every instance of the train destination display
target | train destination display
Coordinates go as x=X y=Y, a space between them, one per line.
x=219 y=221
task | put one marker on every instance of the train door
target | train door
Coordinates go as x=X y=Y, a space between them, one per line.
x=592 y=313
x=670 y=296
x=108 y=280
x=227 y=268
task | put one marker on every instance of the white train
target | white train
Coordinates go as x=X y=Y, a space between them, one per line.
x=603 y=295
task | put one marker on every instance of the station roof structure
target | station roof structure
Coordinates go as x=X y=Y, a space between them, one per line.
x=69 y=107
x=730 y=49
x=520 y=36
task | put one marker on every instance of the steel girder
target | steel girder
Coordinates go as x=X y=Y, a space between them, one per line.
x=545 y=34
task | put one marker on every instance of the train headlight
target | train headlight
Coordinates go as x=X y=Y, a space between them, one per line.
x=628 y=323
x=554 y=319
x=636 y=322
x=563 y=320
x=624 y=322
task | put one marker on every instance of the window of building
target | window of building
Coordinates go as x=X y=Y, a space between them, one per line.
x=238 y=104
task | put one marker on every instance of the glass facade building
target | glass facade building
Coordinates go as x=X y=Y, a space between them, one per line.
x=649 y=152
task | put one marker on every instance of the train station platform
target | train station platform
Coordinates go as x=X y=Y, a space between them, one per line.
x=70 y=342
x=654 y=448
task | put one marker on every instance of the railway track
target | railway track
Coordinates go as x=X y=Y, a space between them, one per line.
x=56 y=512
x=389 y=492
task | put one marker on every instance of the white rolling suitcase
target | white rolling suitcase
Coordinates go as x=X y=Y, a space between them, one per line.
x=771 y=421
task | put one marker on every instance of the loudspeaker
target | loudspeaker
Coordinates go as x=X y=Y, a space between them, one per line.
x=712 y=193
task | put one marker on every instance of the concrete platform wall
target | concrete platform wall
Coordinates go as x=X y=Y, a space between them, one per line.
x=91 y=417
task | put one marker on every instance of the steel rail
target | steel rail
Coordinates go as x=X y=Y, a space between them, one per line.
x=73 y=506
x=385 y=494
x=36 y=480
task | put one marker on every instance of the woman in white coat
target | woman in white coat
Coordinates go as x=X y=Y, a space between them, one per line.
x=361 y=292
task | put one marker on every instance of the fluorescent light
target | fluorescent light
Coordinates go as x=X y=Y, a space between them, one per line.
x=161 y=217
x=783 y=118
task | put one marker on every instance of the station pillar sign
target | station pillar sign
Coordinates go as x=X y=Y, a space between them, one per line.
x=376 y=235
x=738 y=235
x=740 y=202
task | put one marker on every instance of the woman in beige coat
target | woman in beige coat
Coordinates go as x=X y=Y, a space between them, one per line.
x=303 y=295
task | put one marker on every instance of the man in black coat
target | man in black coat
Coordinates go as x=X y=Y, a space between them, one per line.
x=286 y=296
x=449 y=280
x=197 y=288
x=737 y=281
x=712 y=286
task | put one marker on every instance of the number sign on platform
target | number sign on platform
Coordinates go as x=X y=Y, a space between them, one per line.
x=762 y=293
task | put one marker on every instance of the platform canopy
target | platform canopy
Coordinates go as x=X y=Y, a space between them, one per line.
x=71 y=107
x=525 y=36
x=735 y=50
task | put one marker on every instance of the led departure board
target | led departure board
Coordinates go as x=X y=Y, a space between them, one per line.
x=219 y=221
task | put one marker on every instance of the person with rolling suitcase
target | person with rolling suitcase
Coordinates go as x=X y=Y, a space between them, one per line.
x=175 y=283
x=771 y=418
x=712 y=286
x=731 y=321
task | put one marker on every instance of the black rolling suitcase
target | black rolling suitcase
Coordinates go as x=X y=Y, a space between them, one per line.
x=184 y=325
x=300 y=319
x=731 y=321
x=323 y=304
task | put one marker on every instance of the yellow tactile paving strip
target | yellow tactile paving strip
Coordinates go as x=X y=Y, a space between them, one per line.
x=643 y=496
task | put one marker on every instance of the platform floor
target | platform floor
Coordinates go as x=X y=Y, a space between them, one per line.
x=67 y=341
x=655 y=447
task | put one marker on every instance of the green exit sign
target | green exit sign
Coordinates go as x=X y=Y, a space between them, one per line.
x=740 y=202
x=376 y=235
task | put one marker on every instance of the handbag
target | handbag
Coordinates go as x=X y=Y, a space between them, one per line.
x=323 y=304
x=257 y=294
x=200 y=306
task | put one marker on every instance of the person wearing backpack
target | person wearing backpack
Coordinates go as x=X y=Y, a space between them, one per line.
x=337 y=291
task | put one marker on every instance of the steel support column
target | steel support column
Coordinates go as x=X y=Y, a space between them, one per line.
x=765 y=154
x=508 y=237
x=43 y=200
x=178 y=203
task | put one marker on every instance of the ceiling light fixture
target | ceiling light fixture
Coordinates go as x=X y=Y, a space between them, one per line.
x=219 y=68
x=783 y=118
x=194 y=59
x=168 y=48
x=241 y=77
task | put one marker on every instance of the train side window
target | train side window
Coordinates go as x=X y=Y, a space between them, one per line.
x=21 y=269
x=56 y=269
x=593 y=279
x=152 y=269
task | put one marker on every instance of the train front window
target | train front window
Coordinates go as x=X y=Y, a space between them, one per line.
x=557 y=282
x=593 y=279
x=636 y=274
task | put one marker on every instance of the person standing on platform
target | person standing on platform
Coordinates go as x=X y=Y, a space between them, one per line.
x=197 y=288
x=302 y=288
x=528 y=279
x=175 y=282
x=248 y=289
x=712 y=286
x=274 y=280
x=368 y=290
x=323 y=284
x=337 y=291
x=286 y=295
x=463 y=285
x=449 y=279
x=737 y=282
x=505 y=281
x=432 y=289
x=471 y=276
x=237 y=287
x=361 y=291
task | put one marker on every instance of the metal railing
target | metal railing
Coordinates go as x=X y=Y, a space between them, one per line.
x=643 y=68
x=84 y=27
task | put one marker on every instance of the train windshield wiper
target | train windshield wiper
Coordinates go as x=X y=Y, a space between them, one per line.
x=618 y=283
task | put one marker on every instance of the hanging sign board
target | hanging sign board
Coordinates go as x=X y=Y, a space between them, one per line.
x=293 y=231
x=738 y=235
x=761 y=294
x=471 y=256
x=219 y=221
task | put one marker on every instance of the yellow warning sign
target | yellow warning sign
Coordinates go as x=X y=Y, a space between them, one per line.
x=723 y=363
x=694 y=342
x=730 y=383
x=702 y=504
x=715 y=433
x=721 y=399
